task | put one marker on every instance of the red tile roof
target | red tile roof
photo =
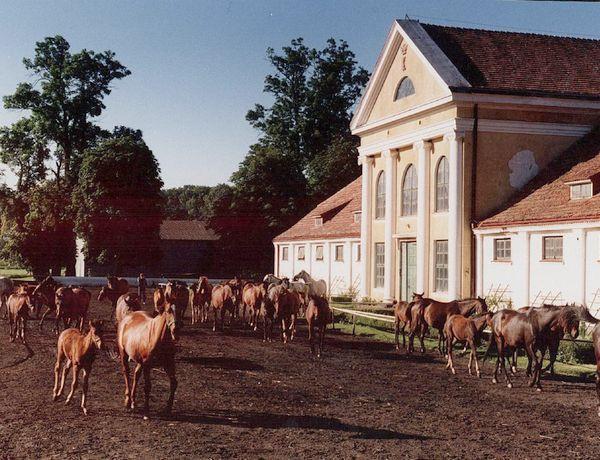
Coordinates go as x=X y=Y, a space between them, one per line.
x=191 y=230
x=337 y=212
x=521 y=63
x=547 y=197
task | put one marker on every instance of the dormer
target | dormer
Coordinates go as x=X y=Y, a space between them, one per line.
x=581 y=189
x=318 y=221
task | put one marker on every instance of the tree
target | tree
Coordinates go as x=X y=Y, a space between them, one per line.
x=187 y=202
x=64 y=96
x=118 y=204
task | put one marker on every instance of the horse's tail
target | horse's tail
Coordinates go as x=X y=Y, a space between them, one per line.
x=585 y=315
x=489 y=348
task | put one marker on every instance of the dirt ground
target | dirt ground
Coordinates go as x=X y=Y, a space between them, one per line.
x=240 y=397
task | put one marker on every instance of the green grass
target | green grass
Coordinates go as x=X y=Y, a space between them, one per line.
x=377 y=331
x=15 y=273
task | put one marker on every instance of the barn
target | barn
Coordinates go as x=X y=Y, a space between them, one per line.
x=325 y=243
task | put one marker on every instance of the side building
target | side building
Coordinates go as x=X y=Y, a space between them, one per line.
x=325 y=243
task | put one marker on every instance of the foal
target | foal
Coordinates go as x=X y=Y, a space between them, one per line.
x=467 y=330
x=318 y=314
x=18 y=307
x=79 y=350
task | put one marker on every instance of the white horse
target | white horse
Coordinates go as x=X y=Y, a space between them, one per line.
x=297 y=286
x=315 y=287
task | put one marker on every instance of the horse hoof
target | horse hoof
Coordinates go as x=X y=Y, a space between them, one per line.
x=509 y=385
x=67 y=401
x=146 y=417
x=85 y=411
x=538 y=390
x=494 y=381
x=453 y=372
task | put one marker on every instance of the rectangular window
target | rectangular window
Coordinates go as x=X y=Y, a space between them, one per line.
x=441 y=265
x=284 y=253
x=301 y=253
x=502 y=249
x=319 y=252
x=318 y=221
x=339 y=253
x=358 y=252
x=580 y=191
x=379 y=265
x=553 y=247
x=357 y=217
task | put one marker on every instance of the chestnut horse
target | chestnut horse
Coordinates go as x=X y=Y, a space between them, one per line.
x=127 y=303
x=18 y=307
x=252 y=298
x=433 y=313
x=401 y=316
x=222 y=299
x=201 y=300
x=159 y=300
x=530 y=330
x=79 y=351
x=318 y=314
x=150 y=342
x=466 y=330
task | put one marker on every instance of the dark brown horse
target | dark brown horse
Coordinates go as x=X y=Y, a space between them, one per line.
x=149 y=342
x=176 y=293
x=402 y=317
x=72 y=305
x=459 y=328
x=433 y=313
x=237 y=285
x=45 y=293
x=530 y=330
x=79 y=352
x=318 y=314
x=286 y=305
x=200 y=300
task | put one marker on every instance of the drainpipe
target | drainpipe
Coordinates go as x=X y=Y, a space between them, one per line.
x=474 y=271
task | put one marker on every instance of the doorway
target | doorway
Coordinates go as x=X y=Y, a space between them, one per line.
x=408 y=269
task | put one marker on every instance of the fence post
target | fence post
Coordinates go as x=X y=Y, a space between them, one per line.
x=353 y=324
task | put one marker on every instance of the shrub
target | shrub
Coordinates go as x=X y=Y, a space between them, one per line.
x=576 y=352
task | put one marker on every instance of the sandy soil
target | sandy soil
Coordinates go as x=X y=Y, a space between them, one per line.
x=239 y=397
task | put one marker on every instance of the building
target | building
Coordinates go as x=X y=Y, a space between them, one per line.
x=544 y=245
x=325 y=242
x=453 y=124
x=186 y=251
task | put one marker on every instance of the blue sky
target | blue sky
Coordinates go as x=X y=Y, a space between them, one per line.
x=198 y=66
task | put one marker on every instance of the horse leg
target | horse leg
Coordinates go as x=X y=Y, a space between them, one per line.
x=84 y=386
x=441 y=342
x=125 y=368
x=553 y=351
x=73 y=383
x=147 y=388
x=169 y=368
x=422 y=337
x=283 y=330
x=11 y=326
x=500 y=356
x=214 y=319
x=310 y=336
x=598 y=385
x=508 y=381
x=66 y=368
x=57 y=366
x=397 y=331
x=403 y=335
x=537 y=368
x=474 y=355
x=48 y=309
x=450 y=364
x=137 y=372
x=293 y=327
x=322 y=329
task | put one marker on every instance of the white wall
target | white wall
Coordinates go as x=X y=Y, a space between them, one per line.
x=575 y=279
x=339 y=275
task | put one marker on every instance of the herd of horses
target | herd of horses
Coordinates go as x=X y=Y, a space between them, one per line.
x=535 y=330
x=149 y=338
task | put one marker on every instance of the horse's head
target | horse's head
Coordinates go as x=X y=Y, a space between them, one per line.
x=63 y=295
x=170 y=314
x=481 y=306
x=102 y=294
x=285 y=282
x=96 y=331
x=568 y=321
x=417 y=297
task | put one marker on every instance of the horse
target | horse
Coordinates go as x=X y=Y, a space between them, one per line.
x=45 y=292
x=252 y=298
x=79 y=351
x=18 y=307
x=222 y=299
x=112 y=295
x=401 y=316
x=158 y=298
x=149 y=342
x=176 y=293
x=318 y=314
x=315 y=287
x=272 y=279
x=298 y=286
x=286 y=305
x=201 y=304
x=121 y=285
x=237 y=285
x=435 y=313
x=468 y=331
x=529 y=330
x=72 y=304
x=127 y=303
x=6 y=289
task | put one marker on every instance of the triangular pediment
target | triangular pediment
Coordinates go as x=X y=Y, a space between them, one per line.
x=408 y=53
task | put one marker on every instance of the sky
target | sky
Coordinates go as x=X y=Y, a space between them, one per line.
x=198 y=66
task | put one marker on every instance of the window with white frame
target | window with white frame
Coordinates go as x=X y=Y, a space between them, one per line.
x=409 y=192
x=441 y=265
x=301 y=253
x=552 y=247
x=357 y=217
x=502 y=249
x=319 y=252
x=339 y=253
x=285 y=253
x=380 y=196
x=442 y=179
x=581 y=190
x=318 y=221
x=379 y=265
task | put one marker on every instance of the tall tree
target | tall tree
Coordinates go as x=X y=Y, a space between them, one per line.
x=65 y=94
x=119 y=204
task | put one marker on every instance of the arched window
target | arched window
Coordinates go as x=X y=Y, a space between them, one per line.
x=441 y=185
x=405 y=88
x=380 y=197
x=409 y=192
